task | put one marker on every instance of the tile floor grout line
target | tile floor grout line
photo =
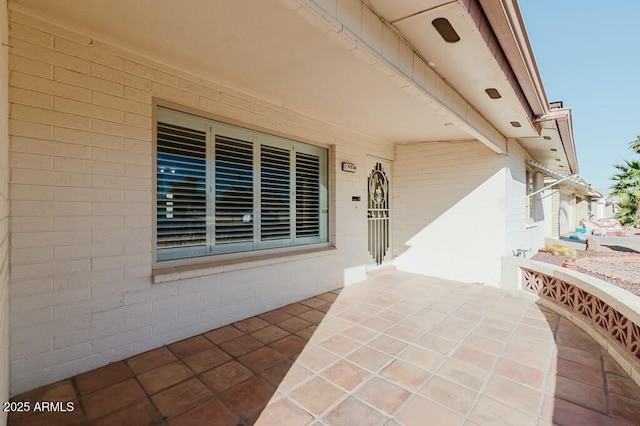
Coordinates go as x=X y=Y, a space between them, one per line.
x=76 y=389
x=545 y=381
x=480 y=391
x=148 y=397
x=606 y=390
x=414 y=394
x=451 y=303
x=215 y=395
x=133 y=403
x=287 y=395
x=375 y=374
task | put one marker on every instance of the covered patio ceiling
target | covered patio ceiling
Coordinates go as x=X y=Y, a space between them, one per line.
x=476 y=63
x=261 y=48
x=267 y=50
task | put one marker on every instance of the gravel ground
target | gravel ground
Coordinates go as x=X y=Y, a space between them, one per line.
x=618 y=268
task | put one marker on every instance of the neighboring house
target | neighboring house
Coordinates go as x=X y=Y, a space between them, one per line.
x=566 y=200
x=177 y=166
x=604 y=206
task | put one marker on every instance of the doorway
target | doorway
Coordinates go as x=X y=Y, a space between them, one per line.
x=378 y=213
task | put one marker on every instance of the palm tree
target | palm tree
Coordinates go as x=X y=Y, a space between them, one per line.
x=635 y=145
x=626 y=185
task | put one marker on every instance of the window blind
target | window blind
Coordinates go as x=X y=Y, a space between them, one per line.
x=234 y=190
x=275 y=193
x=181 y=186
x=226 y=189
x=307 y=195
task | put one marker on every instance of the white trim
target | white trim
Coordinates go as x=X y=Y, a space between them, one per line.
x=238 y=261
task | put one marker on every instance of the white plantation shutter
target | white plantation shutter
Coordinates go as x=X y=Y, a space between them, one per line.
x=181 y=206
x=307 y=195
x=275 y=193
x=311 y=194
x=225 y=189
x=234 y=213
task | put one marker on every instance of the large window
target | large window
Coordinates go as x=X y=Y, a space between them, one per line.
x=225 y=189
x=531 y=199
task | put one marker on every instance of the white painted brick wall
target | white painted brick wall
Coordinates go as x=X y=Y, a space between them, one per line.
x=4 y=214
x=521 y=234
x=460 y=202
x=449 y=210
x=81 y=185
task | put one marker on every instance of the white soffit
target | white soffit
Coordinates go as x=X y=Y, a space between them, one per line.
x=468 y=65
x=262 y=48
x=548 y=151
x=555 y=147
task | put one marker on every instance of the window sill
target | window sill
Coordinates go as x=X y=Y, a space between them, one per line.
x=163 y=275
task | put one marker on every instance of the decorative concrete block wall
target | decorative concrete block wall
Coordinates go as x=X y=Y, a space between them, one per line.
x=607 y=313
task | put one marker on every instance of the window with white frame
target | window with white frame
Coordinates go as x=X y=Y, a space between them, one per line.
x=531 y=199
x=224 y=189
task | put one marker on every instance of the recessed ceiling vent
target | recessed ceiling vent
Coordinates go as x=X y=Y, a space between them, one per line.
x=493 y=93
x=548 y=138
x=445 y=29
x=516 y=124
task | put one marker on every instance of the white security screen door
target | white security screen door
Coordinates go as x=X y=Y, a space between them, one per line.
x=378 y=213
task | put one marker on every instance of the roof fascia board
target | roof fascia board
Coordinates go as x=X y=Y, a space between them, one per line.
x=564 y=123
x=476 y=12
x=507 y=23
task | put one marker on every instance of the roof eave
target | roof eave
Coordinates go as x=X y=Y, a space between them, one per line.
x=564 y=123
x=507 y=23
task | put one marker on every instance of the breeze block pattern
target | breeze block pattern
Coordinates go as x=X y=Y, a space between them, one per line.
x=595 y=311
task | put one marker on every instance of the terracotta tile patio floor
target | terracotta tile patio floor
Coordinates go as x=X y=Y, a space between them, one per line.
x=396 y=349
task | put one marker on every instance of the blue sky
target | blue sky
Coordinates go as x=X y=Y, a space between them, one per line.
x=588 y=53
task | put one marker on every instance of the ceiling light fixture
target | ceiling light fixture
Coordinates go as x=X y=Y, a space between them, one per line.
x=557 y=159
x=445 y=29
x=516 y=124
x=493 y=93
x=547 y=138
x=554 y=149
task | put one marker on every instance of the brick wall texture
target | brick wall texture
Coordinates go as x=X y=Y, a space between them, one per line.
x=81 y=183
x=4 y=213
x=82 y=202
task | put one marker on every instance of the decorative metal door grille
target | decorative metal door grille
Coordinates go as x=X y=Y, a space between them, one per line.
x=378 y=214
